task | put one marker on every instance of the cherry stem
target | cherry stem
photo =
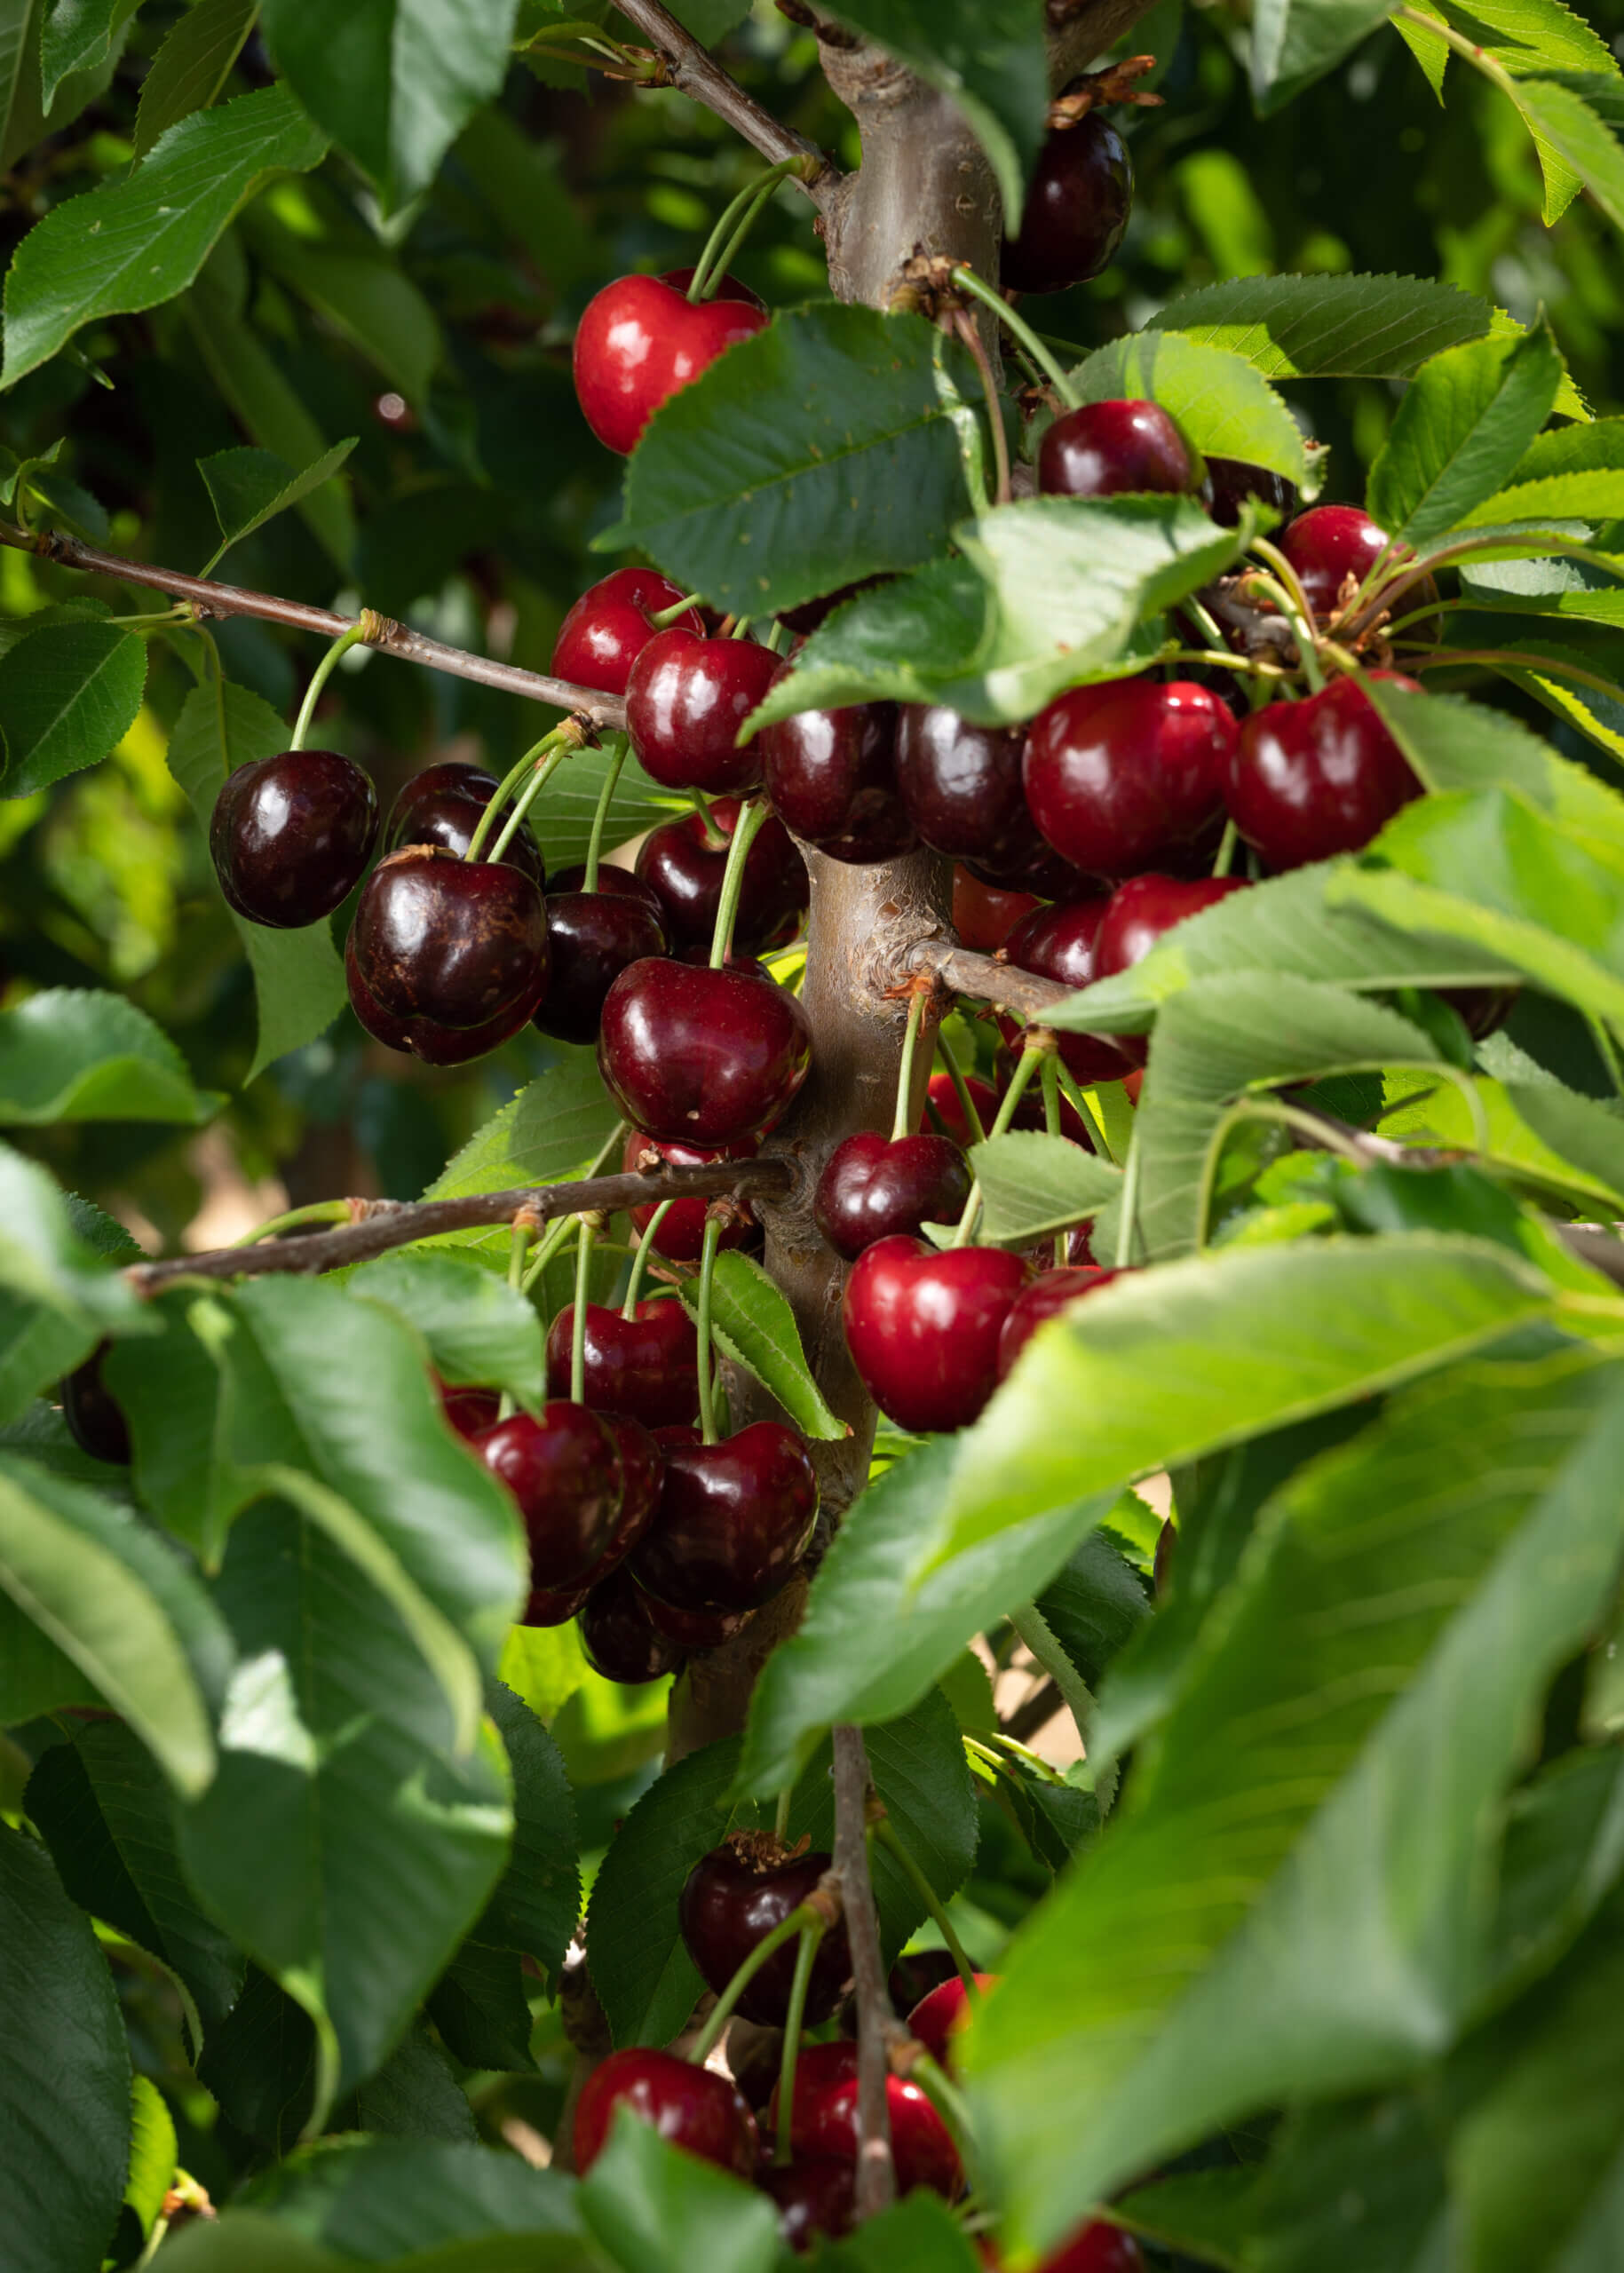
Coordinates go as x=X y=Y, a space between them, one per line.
x=961 y=1086
x=618 y=749
x=748 y=825
x=639 y=1261
x=1227 y=843
x=781 y=1816
x=319 y=677
x=1018 y=328
x=902 y=1119
x=707 y=1383
x=1286 y=574
x=800 y=1918
x=886 y=1835
x=1085 y=1112
x=969 y=332
x=319 y=1211
x=1051 y=1123
x=806 y=1957
x=716 y=835
x=586 y=1233
x=504 y=789
x=1206 y=623
x=1301 y=627
x=734 y=224
x=663 y=618
x=1031 y=1061
x=545 y=769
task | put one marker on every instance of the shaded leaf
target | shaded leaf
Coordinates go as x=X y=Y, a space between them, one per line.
x=67 y=695
x=549 y=1133
x=75 y=36
x=1032 y=1183
x=191 y=66
x=481 y=1333
x=538 y=1899
x=653 y=2207
x=1295 y=42
x=753 y=1324
x=249 y=488
x=67 y=1055
x=373 y=2199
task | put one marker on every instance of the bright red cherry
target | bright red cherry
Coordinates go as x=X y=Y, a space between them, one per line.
x=1077 y=206
x=701 y=1057
x=460 y=942
x=592 y=938
x=692 y=2107
x=1231 y=481
x=984 y=917
x=923 y=1327
x=814 y=2196
x=1058 y=942
x=874 y=1187
x=831 y=776
x=962 y=785
x=646 y=1365
x=1327 y=545
x=425 y=1038
x=641 y=338
x=939 y=2017
x=445 y=805
x=1117 y=775
x=733 y=1521
x=1104 y=449
x=291 y=835
x=564 y=1472
x=1311 y=779
x=681 y=1235
x=1137 y=915
x=616 y=1638
x=683 y=867
x=1049 y=1293
x=732 y=1898
x=685 y=700
x=823 y=2120
x=945 y=1103
x=609 y=626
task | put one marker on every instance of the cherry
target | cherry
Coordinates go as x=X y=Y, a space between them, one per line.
x=685 y=700
x=610 y=625
x=1058 y=942
x=681 y=1235
x=616 y=1638
x=823 y=2120
x=1117 y=775
x=562 y=1470
x=291 y=837
x=646 y=1365
x=1103 y=449
x=459 y=942
x=701 y=1057
x=1077 y=208
x=732 y=1523
x=692 y=2107
x=683 y=870
x=592 y=938
x=944 y=1099
x=832 y=779
x=962 y=785
x=1137 y=915
x=95 y=1418
x=693 y=1630
x=642 y=1481
x=444 y=806
x=620 y=883
x=941 y=2015
x=553 y=1605
x=923 y=1327
x=732 y=1898
x=640 y=339
x=815 y=2195
x=1329 y=543
x=1311 y=779
x=1231 y=481
x=1049 y=1293
x=424 y=1038
x=984 y=917
x=805 y=619
x=470 y=1411
x=874 y=1187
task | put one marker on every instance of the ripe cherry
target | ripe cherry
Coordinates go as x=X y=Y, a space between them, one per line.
x=815 y=2195
x=984 y=917
x=1118 y=775
x=563 y=1469
x=923 y=1327
x=874 y=1187
x=944 y=1103
x=1327 y=545
x=681 y=866
x=1311 y=779
x=609 y=626
x=646 y=1365
x=621 y=883
x=1077 y=206
x=701 y=1057
x=592 y=938
x=681 y=1235
x=1231 y=481
x=95 y=1418
x=685 y=700
x=732 y=1898
x=1049 y=1293
x=733 y=1521
x=444 y=806
x=1058 y=942
x=1104 y=449
x=292 y=836
x=693 y=1630
x=470 y=1411
x=939 y=2017
x=823 y=2120
x=1137 y=916
x=459 y=942
x=962 y=785
x=692 y=2107
x=641 y=338
x=831 y=776
x=424 y=1038
x=616 y=1638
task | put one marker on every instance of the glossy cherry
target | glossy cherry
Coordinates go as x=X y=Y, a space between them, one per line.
x=874 y=1187
x=563 y=1469
x=678 y=863
x=732 y=1523
x=962 y=785
x=460 y=942
x=641 y=338
x=1104 y=449
x=732 y=1898
x=425 y=1038
x=944 y=1103
x=923 y=1327
x=621 y=883
x=692 y=2107
x=815 y=2195
x=1231 y=481
x=685 y=700
x=823 y=2120
x=610 y=625
x=470 y=1411
x=831 y=776
x=1311 y=779
x=939 y=2017
x=1077 y=206
x=1327 y=545
x=1137 y=915
x=681 y=1235
x=984 y=917
x=701 y=1057
x=616 y=1638
x=693 y=1631
x=646 y=1365
x=292 y=836
x=1049 y=1293
x=1057 y=943
x=95 y=1418
x=445 y=805
x=592 y=938
x=1118 y=775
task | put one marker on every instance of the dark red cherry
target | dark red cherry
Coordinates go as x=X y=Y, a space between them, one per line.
x=620 y=883
x=945 y=1102
x=646 y=1365
x=681 y=1235
x=962 y=785
x=616 y=1638
x=642 y=1481
x=693 y=2108
x=553 y=1605
x=424 y=1038
x=1118 y=775
x=831 y=776
x=1104 y=449
x=732 y=1898
x=923 y=1327
x=459 y=942
x=939 y=2017
x=563 y=1469
x=445 y=805
x=682 y=868
x=874 y=1187
x=805 y=619
x=1097 y=2247
x=640 y=339
x=823 y=2120
x=732 y=1523
x=592 y=938
x=94 y=1416
x=1049 y=1293
x=694 y=1630
x=1311 y=779
x=1077 y=206
x=686 y=702
x=292 y=836
x=470 y=1411
x=609 y=626
x=1058 y=942
x=984 y=917
x=1231 y=481
x=1137 y=915
x=1042 y=873
x=815 y=2195
x=1327 y=545
x=701 y=1057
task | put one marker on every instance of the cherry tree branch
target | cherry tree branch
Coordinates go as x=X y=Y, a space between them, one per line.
x=876 y=2172
x=988 y=978
x=695 y=73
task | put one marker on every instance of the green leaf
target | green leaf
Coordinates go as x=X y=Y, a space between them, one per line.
x=1295 y=42
x=68 y=693
x=71 y=1055
x=395 y=83
x=1568 y=471
x=154 y=2153
x=920 y=2232
x=57 y=1297
x=130 y=244
x=1459 y=435
x=299 y=979
x=361 y=291
x=563 y=818
x=818 y=452
x=1564 y=1851
x=375 y=2199
x=249 y=488
x=481 y=2011
x=653 y=2207
x=1032 y=1183
x=75 y=36
x=1095 y=1606
x=1566 y=129
x=191 y=68
x=481 y=1332
x=65 y=2077
x=754 y=1325
x=1217 y=399
x=1533 y=36
x=16 y=23
x=549 y=1133
x=537 y=1902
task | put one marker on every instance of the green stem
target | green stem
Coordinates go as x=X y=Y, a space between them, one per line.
x=705 y=2044
x=902 y=1119
x=1205 y=621
x=1227 y=849
x=527 y=796
x=747 y=826
x=961 y=1086
x=319 y=677
x=586 y=1235
x=320 y=1211
x=707 y=1382
x=1608 y=1049
x=1302 y=626
x=504 y=789
x=1051 y=1123
x=665 y=617
x=967 y=281
x=1126 y=1228
x=619 y=746
x=559 y=1231
x=1031 y=1060
x=716 y=835
x=1073 y=1090
x=733 y=225
x=639 y=1261
x=935 y=1910
x=780 y=1818
x=806 y=1957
